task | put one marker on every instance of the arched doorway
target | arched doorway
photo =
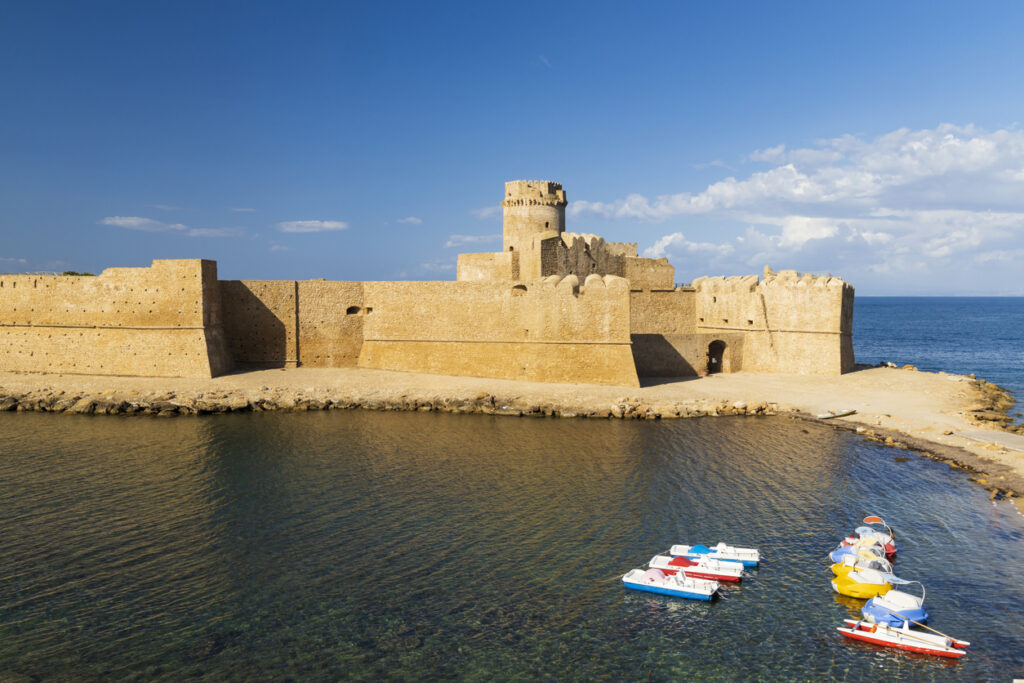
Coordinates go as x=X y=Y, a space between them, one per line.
x=716 y=356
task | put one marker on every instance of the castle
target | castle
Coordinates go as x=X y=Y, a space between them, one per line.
x=552 y=306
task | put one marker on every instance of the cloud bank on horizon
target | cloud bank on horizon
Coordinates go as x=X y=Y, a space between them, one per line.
x=926 y=206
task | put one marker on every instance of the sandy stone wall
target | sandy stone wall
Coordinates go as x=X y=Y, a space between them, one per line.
x=646 y=273
x=331 y=316
x=683 y=355
x=261 y=323
x=285 y=323
x=551 y=330
x=162 y=321
x=671 y=311
x=498 y=265
x=792 y=323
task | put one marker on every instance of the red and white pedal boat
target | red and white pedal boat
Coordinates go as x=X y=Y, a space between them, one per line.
x=703 y=568
x=904 y=638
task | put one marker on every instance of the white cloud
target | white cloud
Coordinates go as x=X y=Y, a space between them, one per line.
x=216 y=232
x=437 y=267
x=463 y=240
x=486 y=212
x=411 y=219
x=677 y=243
x=311 y=226
x=241 y=209
x=19 y=261
x=151 y=225
x=716 y=163
x=921 y=206
x=772 y=154
x=280 y=247
x=143 y=224
x=166 y=207
x=544 y=61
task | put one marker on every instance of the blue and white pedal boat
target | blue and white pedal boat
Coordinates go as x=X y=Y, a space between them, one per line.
x=678 y=585
x=895 y=607
x=749 y=557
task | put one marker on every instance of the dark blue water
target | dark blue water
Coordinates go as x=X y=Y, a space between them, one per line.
x=410 y=546
x=983 y=336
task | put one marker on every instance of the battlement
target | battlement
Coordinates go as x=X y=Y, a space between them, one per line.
x=596 y=241
x=533 y=193
x=791 y=278
x=748 y=283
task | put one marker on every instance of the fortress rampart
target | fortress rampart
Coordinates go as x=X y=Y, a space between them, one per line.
x=162 y=321
x=790 y=322
x=551 y=329
x=553 y=306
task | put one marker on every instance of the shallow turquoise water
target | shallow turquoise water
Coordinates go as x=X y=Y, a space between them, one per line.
x=407 y=546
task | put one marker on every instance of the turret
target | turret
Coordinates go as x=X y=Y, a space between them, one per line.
x=531 y=208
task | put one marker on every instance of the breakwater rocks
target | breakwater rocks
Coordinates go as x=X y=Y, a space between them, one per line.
x=171 y=404
x=992 y=405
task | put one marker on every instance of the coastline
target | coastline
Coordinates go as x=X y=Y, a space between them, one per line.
x=951 y=418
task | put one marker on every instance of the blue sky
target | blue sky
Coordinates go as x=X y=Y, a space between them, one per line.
x=877 y=141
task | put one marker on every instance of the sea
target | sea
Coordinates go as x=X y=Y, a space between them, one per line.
x=358 y=545
x=983 y=336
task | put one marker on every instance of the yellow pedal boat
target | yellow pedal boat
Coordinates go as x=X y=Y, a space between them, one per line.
x=864 y=559
x=862 y=583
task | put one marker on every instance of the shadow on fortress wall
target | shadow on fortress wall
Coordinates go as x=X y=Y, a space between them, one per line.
x=257 y=336
x=656 y=356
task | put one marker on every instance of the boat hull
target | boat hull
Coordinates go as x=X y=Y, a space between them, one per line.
x=731 y=572
x=708 y=576
x=844 y=585
x=667 y=591
x=902 y=640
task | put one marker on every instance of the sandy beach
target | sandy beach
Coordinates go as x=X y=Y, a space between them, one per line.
x=948 y=417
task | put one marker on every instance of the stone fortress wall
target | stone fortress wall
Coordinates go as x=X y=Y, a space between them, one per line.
x=551 y=306
x=553 y=329
x=789 y=322
x=162 y=321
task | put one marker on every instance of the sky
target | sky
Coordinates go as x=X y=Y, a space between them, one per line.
x=877 y=141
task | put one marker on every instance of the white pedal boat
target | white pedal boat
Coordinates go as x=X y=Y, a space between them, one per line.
x=748 y=556
x=703 y=568
x=904 y=638
x=677 y=585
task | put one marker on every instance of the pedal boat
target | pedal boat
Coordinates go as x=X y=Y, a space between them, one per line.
x=703 y=568
x=886 y=538
x=749 y=557
x=677 y=585
x=862 y=560
x=865 y=535
x=855 y=549
x=862 y=583
x=904 y=639
x=896 y=606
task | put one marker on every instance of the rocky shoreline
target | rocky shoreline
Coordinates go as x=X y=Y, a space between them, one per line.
x=172 y=404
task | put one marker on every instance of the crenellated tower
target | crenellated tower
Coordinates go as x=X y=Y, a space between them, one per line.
x=530 y=209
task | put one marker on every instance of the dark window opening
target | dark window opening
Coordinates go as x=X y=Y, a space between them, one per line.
x=352 y=310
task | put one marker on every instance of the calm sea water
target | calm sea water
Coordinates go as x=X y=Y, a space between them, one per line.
x=984 y=336
x=409 y=546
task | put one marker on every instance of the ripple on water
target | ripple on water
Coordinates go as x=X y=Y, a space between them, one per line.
x=398 y=545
